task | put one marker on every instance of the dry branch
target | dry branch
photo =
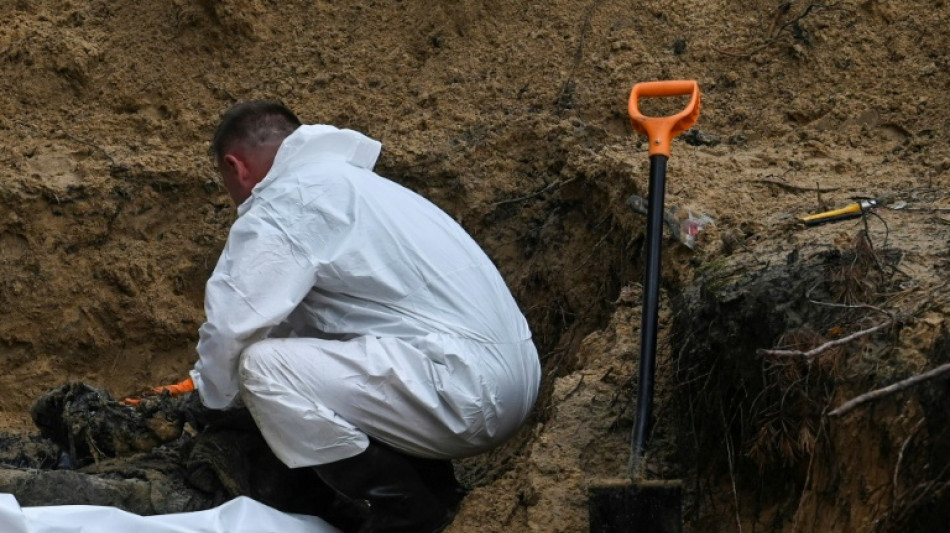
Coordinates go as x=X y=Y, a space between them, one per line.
x=830 y=344
x=539 y=192
x=793 y=188
x=890 y=389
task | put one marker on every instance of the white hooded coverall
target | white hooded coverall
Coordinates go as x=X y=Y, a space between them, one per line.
x=345 y=306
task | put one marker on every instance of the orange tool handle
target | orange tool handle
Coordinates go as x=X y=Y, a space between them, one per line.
x=661 y=130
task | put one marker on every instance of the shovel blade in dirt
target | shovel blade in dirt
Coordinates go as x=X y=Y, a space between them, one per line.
x=644 y=507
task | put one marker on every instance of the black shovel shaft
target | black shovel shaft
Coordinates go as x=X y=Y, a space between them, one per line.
x=651 y=300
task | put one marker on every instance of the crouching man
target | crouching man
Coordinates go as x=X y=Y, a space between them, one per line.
x=368 y=335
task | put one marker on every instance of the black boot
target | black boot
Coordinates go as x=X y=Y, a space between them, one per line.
x=439 y=476
x=399 y=501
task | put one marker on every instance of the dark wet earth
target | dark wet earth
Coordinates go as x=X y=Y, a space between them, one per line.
x=164 y=455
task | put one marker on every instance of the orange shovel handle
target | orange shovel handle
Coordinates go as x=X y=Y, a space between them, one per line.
x=661 y=130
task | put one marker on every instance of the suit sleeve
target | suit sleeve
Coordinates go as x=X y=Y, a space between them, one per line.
x=261 y=276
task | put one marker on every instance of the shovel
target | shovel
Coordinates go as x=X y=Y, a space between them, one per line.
x=634 y=504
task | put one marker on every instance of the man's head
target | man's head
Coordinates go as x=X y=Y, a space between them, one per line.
x=246 y=141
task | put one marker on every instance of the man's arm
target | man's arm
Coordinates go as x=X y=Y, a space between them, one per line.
x=261 y=276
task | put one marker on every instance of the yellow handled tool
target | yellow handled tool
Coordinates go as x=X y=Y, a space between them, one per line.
x=854 y=210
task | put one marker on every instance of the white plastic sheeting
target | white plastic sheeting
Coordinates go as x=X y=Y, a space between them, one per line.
x=240 y=515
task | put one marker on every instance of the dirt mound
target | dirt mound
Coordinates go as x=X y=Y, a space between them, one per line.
x=512 y=117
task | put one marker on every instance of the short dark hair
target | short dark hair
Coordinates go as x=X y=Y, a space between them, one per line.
x=256 y=122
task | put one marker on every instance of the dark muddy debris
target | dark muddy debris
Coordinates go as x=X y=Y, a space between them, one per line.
x=164 y=455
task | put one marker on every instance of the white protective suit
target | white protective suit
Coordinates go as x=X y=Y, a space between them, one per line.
x=345 y=305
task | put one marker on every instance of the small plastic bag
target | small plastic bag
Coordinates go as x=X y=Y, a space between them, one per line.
x=691 y=226
x=683 y=224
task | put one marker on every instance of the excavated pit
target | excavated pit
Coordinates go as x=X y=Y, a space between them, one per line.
x=754 y=426
x=172 y=455
x=752 y=433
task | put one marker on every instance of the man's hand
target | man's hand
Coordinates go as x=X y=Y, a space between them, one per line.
x=175 y=389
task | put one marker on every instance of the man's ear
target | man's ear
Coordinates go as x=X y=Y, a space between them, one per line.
x=237 y=166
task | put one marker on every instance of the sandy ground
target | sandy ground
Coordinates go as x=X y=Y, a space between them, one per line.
x=512 y=117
